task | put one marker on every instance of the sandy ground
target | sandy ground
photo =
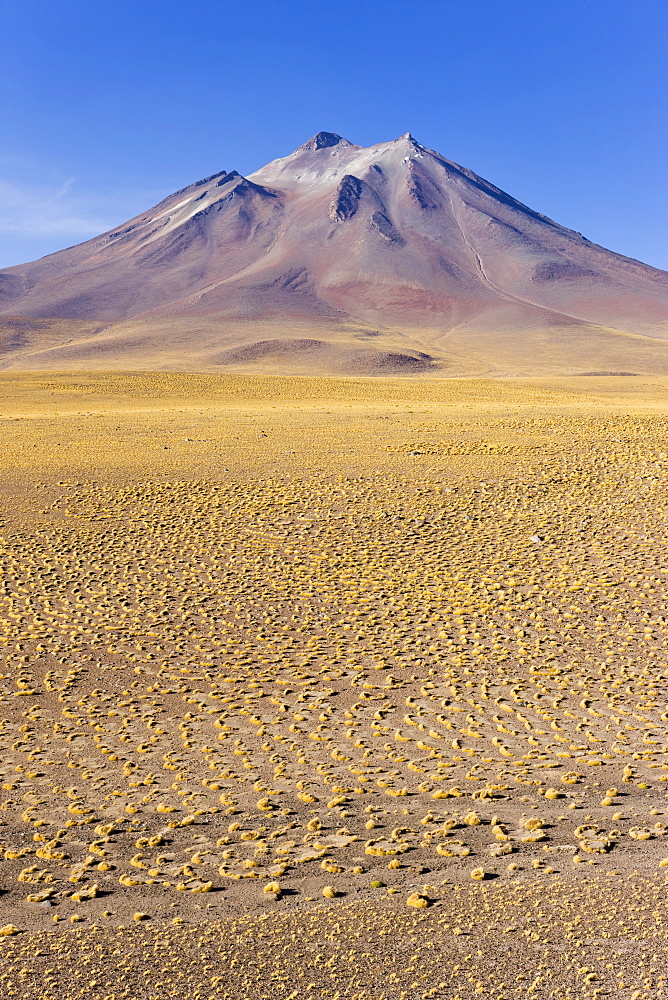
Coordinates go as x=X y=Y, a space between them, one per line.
x=285 y=657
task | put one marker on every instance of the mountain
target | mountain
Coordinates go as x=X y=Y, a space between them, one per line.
x=339 y=257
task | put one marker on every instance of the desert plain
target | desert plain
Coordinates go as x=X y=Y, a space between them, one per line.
x=338 y=688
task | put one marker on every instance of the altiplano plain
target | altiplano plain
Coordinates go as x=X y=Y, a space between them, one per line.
x=341 y=688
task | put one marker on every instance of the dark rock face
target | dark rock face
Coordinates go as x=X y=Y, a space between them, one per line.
x=323 y=140
x=347 y=198
x=556 y=270
x=383 y=225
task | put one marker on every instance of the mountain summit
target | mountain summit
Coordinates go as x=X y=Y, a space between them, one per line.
x=392 y=242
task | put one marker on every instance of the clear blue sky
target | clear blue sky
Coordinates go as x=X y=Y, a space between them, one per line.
x=108 y=105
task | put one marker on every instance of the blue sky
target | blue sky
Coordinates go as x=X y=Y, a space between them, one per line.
x=106 y=107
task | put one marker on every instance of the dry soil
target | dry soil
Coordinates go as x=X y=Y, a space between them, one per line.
x=333 y=688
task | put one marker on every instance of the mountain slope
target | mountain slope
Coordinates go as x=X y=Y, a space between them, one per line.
x=392 y=240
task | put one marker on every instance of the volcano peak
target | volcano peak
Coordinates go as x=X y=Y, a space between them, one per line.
x=322 y=140
x=335 y=238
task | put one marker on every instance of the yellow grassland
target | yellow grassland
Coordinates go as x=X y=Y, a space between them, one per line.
x=351 y=689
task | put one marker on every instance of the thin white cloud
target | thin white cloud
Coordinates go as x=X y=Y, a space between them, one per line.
x=35 y=210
